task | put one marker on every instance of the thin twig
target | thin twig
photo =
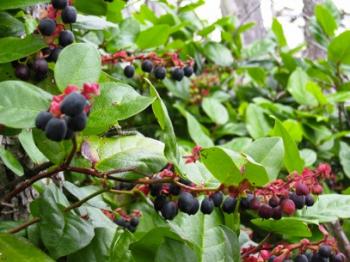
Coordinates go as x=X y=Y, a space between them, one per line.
x=341 y=237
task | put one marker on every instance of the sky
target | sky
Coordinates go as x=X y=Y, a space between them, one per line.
x=211 y=11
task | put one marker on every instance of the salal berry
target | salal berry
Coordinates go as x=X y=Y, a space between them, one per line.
x=65 y=38
x=177 y=74
x=77 y=123
x=59 y=4
x=195 y=207
x=301 y=189
x=155 y=189
x=185 y=202
x=41 y=68
x=42 y=119
x=309 y=200
x=207 y=206
x=217 y=198
x=301 y=258
x=340 y=257
x=69 y=15
x=54 y=54
x=22 y=72
x=129 y=71
x=271 y=259
x=159 y=202
x=69 y=134
x=274 y=201
x=277 y=213
x=134 y=221
x=174 y=189
x=245 y=201
x=229 y=204
x=159 y=72
x=265 y=211
x=288 y=206
x=147 y=66
x=169 y=210
x=56 y=129
x=73 y=104
x=299 y=201
x=255 y=204
x=325 y=251
x=188 y=71
x=47 y=26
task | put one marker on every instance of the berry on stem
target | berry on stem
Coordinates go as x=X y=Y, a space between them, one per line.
x=40 y=68
x=22 y=72
x=169 y=210
x=47 y=26
x=159 y=202
x=217 y=198
x=299 y=201
x=288 y=206
x=195 y=207
x=301 y=189
x=229 y=204
x=56 y=129
x=129 y=71
x=59 y=4
x=42 y=119
x=265 y=211
x=274 y=201
x=207 y=206
x=54 y=54
x=309 y=200
x=325 y=251
x=77 y=123
x=65 y=38
x=159 y=72
x=69 y=15
x=301 y=258
x=147 y=66
x=177 y=74
x=73 y=104
x=186 y=201
x=188 y=71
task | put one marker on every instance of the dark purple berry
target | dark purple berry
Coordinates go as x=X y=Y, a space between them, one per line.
x=73 y=104
x=22 y=72
x=299 y=201
x=309 y=200
x=147 y=66
x=54 y=54
x=274 y=201
x=174 y=189
x=41 y=68
x=185 y=202
x=77 y=123
x=47 y=26
x=217 y=198
x=207 y=206
x=177 y=74
x=255 y=204
x=59 y=4
x=169 y=210
x=69 y=134
x=159 y=202
x=42 y=119
x=340 y=257
x=301 y=189
x=325 y=251
x=265 y=211
x=134 y=221
x=159 y=72
x=121 y=222
x=155 y=189
x=301 y=258
x=129 y=71
x=65 y=38
x=229 y=204
x=188 y=71
x=195 y=207
x=69 y=15
x=277 y=213
x=245 y=201
x=56 y=129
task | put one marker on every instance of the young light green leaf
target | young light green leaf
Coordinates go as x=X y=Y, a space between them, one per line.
x=309 y=156
x=215 y=110
x=155 y=36
x=326 y=20
x=337 y=51
x=11 y=162
x=289 y=226
x=218 y=53
x=277 y=29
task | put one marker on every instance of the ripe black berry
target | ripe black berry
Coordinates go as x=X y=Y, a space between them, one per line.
x=229 y=204
x=56 y=129
x=325 y=251
x=40 y=68
x=317 y=258
x=69 y=134
x=47 y=26
x=73 y=104
x=147 y=66
x=265 y=211
x=159 y=72
x=159 y=202
x=54 y=54
x=188 y=71
x=340 y=257
x=66 y=38
x=77 y=123
x=129 y=71
x=121 y=222
x=69 y=15
x=42 y=119
x=22 y=72
x=177 y=74
x=277 y=213
x=274 y=201
x=217 y=198
x=309 y=200
x=195 y=207
x=169 y=210
x=186 y=201
x=301 y=189
x=245 y=202
x=134 y=221
x=255 y=204
x=59 y=4
x=301 y=258
x=155 y=189
x=207 y=206
x=299 y=201
x=174 y=189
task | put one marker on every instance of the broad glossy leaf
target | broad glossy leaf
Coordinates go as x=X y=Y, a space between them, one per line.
x=117 y=101
x=120 y=250
x=344 y=157
x=277 y=29
x=28 y=144
x=309 y=156
x=10 y=26
x=92 y=7
x=338 y=52
x=129 y=28
x=172 y=250
x=215 y=110
x=20 y=103
x=11 y=161
x=155 y=36
x=77 y=64
x=286 y=226
x=256 y=121
x=238 y=144
x=218 y=53
x=13 y=48
x=292 y=159
x=326 y=20
x=294 y=129
x=15 y=249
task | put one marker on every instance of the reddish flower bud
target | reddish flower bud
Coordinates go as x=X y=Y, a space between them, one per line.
x=265 y=254
x=324 y=169
x=317 y=189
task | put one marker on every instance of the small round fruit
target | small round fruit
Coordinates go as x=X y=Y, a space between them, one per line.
x=155 y=189
x=299 y=201
x=77 y=123
x=47 y=26
x=195 y=207
x=301 y=258
x=325 y=251
x=274 y=201
x=229 y=204
x=174 y=189
x=159 y=202
x=265 y=211
x=42 y=119
x=129 y=71
x=177 y=74
x=277 y=213
x=69 y=15
x=309 y=200
x=56 y=129
x=54 y=54
x=59 y=4
x=340 y=257
x=134 y=221
x=185 y=202
x=207 y=206
x=169 y=210
x=66 y=37
x=301 y=189
x=255 y=204
x=121 y=222
x=147 y=66
x=159 y=72
x=217 y=198
x=245 y=202
x=22 y=72
x=40 y=66
x=288 y=206
x=69 y=134
x=188 y=71
x=73 y=104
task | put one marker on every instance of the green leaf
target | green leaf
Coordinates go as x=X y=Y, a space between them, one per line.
x=160 y=111
x=155 y=36
x=215 y=110
x=258 y=74
x=238 y=144
x=4 y=5
x=20 y=103
x=338 y=52
x=277 y=29
x=76 y=65
x=172 y=250
x=256 y=121
x=294 y=129
x=289 y=226
x=326 y=20
x=328 y=208
x=13 y=48
x=309 y=156
x=337 y=97
x=269 y=153
x=56 y=152
x=218 y=53
x=344 y=157
x=292 y=159
x=10 y=26
x=27 y=141
x=11 y=162
x=15 y=249
x=126 y=37
x=316 y=90
x=117 y=101
x=92 y=7
x=297 y=86
x=120 y=250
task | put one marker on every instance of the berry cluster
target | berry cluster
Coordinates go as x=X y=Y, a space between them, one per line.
x=124 y=220
x=152 y=63
x=50 y=29
x=68 y=112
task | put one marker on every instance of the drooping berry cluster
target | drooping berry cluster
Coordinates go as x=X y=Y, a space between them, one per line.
x=123 y=219
x=152 y=63
x=51 y=28
x=67 y=113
